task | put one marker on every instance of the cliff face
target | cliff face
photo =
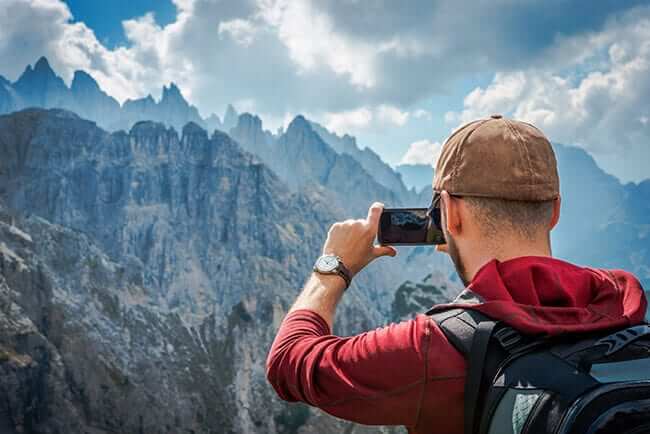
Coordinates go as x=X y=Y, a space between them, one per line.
x=149 y=268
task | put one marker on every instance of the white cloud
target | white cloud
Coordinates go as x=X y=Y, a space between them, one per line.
x=599 y=104
x=387 y=114
x=350 y=120
x=422 y=152
x=312 y=41
x=241 y=31
x=364 y=118
x=422 y=114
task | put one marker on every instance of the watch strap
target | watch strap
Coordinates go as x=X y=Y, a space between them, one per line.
x=343 y=271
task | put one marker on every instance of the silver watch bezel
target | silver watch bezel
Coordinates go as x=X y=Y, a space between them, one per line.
x=327 y=268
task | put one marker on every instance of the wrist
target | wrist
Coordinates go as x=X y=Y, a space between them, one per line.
x=332 y=282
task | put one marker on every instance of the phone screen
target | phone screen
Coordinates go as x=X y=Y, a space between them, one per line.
x=408 y=226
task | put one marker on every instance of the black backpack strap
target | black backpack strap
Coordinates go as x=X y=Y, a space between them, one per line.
x=475 y=370
x=469 y=332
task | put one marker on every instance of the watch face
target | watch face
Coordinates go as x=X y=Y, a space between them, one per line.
x=327 y=263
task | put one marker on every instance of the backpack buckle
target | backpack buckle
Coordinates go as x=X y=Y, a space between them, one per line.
x=507 y=337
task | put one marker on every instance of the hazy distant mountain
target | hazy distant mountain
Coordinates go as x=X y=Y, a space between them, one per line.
x=41 y=87
x=369 y=160
x=602 y=222
x=249 y=133
x=230 y=118
x=172 y=110
x=418 y=176
x=92 y=101
x=302 y=158
x=213 y=122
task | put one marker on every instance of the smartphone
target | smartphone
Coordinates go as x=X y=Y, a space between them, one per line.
x=408 y=227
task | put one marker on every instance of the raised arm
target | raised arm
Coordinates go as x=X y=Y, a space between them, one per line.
x=353 y=241
x=380 y=377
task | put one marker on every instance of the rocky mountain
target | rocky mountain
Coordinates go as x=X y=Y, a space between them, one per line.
x=418 y=297
x=151 y=267
x=41 y=87
x=302 y=159
x=369 y=160
x=95 y=103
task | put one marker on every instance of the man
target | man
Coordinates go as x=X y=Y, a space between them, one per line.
x=497 y=187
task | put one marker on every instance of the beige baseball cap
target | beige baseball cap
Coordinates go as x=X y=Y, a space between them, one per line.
x=498 y=157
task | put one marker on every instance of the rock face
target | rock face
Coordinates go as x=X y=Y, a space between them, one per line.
x=249 y=133
x=413 y=297
x=369 y=160
x=148 y=267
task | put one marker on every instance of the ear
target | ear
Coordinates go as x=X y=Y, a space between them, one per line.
x=451 y=208
x=556 y=213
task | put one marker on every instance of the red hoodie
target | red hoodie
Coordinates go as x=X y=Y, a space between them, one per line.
x=409 y=374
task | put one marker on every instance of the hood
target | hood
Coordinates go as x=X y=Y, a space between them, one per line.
x=543 y=295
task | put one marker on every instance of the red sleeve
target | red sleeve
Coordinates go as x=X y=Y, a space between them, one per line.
x=375 y=378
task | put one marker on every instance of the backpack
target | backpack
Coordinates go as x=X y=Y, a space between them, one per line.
x=596 y=383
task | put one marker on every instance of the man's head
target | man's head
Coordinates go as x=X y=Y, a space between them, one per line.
x=499 y=190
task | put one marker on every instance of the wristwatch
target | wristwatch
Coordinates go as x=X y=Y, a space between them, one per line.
x=332 y=264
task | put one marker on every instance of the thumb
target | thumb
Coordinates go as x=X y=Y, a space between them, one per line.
x=379 y=251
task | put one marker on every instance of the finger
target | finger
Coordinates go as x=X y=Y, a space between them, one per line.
x=379 y=251
x=442 y=248
x=374 y=213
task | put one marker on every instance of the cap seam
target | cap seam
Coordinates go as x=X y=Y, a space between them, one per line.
x=524 y=144
x=453 y=157
x=461 y=144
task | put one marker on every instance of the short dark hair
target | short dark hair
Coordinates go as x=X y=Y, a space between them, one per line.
x=524 y=218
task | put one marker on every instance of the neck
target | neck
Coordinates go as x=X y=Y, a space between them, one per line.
x=483 y=253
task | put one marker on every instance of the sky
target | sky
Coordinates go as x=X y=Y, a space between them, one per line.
x=400 y=76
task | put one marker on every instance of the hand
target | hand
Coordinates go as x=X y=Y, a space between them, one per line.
x=353 y=241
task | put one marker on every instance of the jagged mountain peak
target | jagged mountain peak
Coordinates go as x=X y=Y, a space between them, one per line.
x=230 y=110
x=40 y=74
x=172 y=92
x=81 y=80
x=250 y=120
x=299 y=123
x=230 y=117
x=42 y=65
